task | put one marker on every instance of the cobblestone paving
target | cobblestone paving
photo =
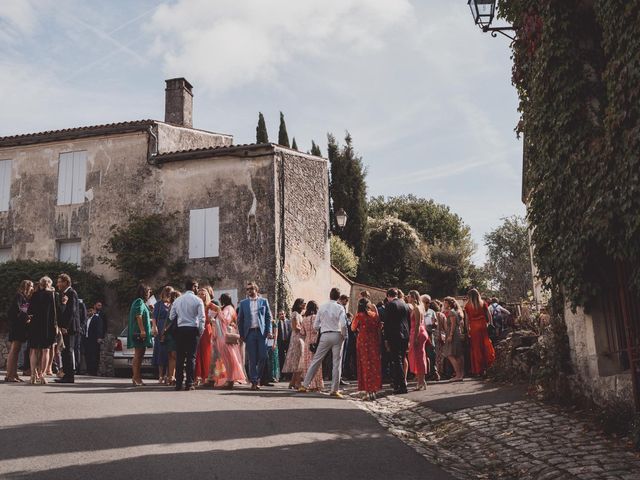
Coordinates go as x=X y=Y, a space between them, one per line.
x=520 y=440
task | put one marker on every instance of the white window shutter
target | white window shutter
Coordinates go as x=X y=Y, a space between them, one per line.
x=65 y=178
x=70 y=252
x=79 y=176
x=196 y=233
x=212 y=232
x=5 y=254
x=5 y=184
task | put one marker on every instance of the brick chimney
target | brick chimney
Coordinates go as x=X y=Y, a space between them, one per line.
x=178 y=106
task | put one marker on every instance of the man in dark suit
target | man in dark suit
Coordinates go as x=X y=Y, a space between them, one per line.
x=396 y=337
x=92 y=340
x=284 y=336
x=69 y=323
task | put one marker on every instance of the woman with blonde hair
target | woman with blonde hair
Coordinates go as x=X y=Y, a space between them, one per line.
x=44 y=309
x=18 y=325
x=418 y=337
x=453 y=348
x=205 y=345
x=482 y=353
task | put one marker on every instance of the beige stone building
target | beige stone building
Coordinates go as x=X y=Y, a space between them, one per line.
x=242 y=212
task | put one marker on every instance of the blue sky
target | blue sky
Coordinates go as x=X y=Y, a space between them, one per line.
x=426 y=96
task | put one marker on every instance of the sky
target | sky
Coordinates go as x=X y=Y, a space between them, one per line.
x=426 y=96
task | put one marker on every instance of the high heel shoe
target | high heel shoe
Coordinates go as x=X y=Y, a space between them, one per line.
x=42 y=380
x=136 y=384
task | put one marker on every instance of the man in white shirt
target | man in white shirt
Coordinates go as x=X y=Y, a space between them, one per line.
x=188 y=309
x=331 y=321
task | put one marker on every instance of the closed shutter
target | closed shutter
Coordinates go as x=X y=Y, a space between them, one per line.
x=70 y=252
x=79 y=177
x=65 y=178
x=196 y=233
x=212 y=232
x=5 y=184
x=5 y=254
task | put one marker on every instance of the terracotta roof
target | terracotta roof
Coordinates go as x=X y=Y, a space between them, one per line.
x=203 y=152
x=68 y=133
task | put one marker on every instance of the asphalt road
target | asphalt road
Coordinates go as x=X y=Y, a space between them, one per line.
x=105 y=428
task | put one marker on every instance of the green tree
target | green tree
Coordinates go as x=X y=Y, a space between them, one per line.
x=508 y=263
x=294 y=145
x=348 y=190
x=261 y=130
x=90 y=287
x=283 y=136
x=315 y=149
x=343 y=257
x=394 y=255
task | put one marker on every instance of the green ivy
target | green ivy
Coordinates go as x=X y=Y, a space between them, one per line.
x=577 y=73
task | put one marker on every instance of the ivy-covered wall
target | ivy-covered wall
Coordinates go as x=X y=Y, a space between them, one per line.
x=577 y=72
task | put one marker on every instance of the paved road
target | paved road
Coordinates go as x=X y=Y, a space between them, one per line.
x=104 y=428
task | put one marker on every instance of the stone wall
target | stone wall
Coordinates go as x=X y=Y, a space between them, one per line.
x=4 y=350
x=597 y=374
x=105 y=369
x=172 y=138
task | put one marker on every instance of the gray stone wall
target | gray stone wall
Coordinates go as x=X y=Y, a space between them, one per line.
x=4 y=350
x=172 y=138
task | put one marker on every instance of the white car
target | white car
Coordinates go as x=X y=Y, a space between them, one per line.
x=123 y=356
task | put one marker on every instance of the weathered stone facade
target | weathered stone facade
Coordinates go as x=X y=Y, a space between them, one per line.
x=272 y=202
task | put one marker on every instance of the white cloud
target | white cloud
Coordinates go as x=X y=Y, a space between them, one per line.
x=17 y=18
x=225 y=43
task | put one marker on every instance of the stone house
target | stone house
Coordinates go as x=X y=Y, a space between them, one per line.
x=241 y=212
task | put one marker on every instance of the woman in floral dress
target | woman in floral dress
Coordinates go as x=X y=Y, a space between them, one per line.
x=294 y=363
x=310 y=336
x=367 y=324
x=224 y=323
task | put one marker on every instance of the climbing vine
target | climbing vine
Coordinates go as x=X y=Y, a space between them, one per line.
x=577 y=73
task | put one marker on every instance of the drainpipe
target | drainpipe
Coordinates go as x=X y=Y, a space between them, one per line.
x=152 y=155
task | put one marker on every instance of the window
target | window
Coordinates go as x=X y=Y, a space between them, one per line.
x=70 y=252
x=5 y=184
x=204 y=232
x=5 y=254
x=232 y=292
x=72 y=176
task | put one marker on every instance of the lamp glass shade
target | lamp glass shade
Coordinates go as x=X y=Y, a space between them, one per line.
x=341 y=218
x=482 y=11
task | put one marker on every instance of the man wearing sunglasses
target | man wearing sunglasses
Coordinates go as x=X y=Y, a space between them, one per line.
x=254 y=324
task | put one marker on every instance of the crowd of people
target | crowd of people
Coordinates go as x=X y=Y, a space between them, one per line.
x=201 y=341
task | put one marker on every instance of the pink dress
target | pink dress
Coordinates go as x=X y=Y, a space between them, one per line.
x=310 y=336
x=417 y=353
x=228 y=354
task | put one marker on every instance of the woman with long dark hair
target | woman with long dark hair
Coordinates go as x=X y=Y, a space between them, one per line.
x=205 y=344
x=227 y=341
x=139 y=336
x=44 y=309
x=18 y=325
x=418 y=362
x=482 y=353
x=294 y=363
x=452 y=348
x=310 y=336
x=160 y=316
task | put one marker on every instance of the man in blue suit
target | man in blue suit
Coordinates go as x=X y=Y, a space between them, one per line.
x=254 y=324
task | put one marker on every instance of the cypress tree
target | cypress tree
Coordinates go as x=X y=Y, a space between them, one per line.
x=261 y=130
x=294 y=145
x=315 y=149
x=348 y=190
x=283 y=137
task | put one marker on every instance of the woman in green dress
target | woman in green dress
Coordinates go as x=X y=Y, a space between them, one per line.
x=139 y=331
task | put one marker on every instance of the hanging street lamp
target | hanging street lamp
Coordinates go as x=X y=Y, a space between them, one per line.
x=483 y=12
x=341 y=218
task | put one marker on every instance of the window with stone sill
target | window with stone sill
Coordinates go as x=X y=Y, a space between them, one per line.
x=204 y=233
x=70 y=252
x=72 y=177
x=6 y=254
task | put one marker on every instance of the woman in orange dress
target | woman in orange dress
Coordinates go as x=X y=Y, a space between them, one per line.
x=482 y=353
x=203 y=354
x=224 y=324
x=367 y=324
x=418 y=336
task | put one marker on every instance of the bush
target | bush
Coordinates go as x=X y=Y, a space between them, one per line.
x=343 y=257
x=90 y=287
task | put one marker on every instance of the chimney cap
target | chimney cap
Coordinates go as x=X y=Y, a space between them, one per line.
x=179 y=82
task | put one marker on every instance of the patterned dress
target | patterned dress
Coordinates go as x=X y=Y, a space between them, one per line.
x=275 y=358
x=227 y=365
x=368 y=327
x=295 y=360
x=310 y=336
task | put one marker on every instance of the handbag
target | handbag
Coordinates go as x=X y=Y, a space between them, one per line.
x=231 y=338
x=137 y=337
x=313 y=347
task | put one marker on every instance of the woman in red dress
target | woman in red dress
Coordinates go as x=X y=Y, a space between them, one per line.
x=418 y=336
x=368 y=326
x=482 y=353
x=205 y=346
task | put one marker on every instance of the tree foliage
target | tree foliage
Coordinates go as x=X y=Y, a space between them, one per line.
x=509 y=263
x=348 y=190
x=343 y=257
x=283 y=136
x=90 y=287
x=294 y=145
x=577 y=73
x=261 y=130
x=315 y=149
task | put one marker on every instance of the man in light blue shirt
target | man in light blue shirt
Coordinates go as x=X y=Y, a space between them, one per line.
x=188 y=312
